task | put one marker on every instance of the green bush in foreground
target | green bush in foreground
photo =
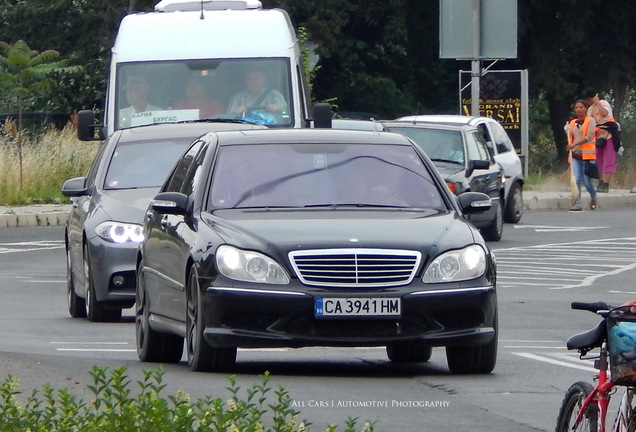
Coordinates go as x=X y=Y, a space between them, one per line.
x=116 y=409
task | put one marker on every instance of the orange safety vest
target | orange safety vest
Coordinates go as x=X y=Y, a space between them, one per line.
x=588 y=148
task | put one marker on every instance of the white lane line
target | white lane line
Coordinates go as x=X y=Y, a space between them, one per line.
x=555 y=362
x=87 y=343
x=95 y=349
x=588 y=281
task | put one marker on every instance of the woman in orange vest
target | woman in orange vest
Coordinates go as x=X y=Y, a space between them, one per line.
x=582 y=149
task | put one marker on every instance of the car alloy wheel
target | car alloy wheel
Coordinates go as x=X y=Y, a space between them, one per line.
x=201 y=356
x=76 y=304
x=152 y=346
x=514 y=206
x=96 y=311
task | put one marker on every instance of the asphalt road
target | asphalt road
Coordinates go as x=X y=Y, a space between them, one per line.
x=544 y=263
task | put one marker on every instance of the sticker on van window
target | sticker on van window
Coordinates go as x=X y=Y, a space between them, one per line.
x=320 y=161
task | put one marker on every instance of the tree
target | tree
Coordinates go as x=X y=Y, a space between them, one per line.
x=26 y=74
x=83 y=31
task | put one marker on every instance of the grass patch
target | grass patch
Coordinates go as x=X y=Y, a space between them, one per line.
x=48 y=160
x=116 y=408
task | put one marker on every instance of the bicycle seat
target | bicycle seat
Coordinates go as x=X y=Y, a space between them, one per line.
x=590 y=339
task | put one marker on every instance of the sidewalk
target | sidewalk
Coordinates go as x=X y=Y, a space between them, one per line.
x=533 y=200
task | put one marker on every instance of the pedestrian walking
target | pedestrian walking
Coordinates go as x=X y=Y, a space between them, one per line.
x=606 y=134
x=581 y=133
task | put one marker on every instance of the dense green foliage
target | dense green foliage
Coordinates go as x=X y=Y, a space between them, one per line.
x=116 y=407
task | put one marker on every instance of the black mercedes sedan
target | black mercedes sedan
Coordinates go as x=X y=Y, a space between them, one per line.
x=315 y=237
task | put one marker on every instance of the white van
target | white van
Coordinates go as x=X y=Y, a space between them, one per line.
x=226 y=49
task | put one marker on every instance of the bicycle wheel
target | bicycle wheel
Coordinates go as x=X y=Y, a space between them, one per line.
x=571 y=406
x=630 y=409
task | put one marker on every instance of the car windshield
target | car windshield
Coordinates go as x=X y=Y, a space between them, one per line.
x=315 y=175
x=247 y=90
x=440 y=145
x=143 y=164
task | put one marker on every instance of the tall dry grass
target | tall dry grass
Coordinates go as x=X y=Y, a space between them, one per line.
x=48 y=159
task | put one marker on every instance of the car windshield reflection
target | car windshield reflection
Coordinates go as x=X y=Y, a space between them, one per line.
x=333 y=175
x=142 y=164
x=439 y=145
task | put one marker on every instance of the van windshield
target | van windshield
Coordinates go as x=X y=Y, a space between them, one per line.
x=252 y=90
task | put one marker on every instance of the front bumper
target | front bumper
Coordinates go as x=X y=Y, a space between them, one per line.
x=113 y=270
x=271 y=317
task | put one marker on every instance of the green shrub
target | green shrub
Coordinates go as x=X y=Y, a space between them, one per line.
x=116 y=409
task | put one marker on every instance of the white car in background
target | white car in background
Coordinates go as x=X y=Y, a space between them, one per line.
x=501 y=148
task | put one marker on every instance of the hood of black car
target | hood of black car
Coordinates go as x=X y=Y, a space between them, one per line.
x=126 y=205
x=280 y=231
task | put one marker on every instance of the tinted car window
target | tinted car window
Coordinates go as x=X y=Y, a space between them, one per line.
x=92 y=172
x=488 y=140
x=439 y=145
x=501 y=139
x=180 y=172
x=320 y=175
x=482 y=146
x=142 y=164
x=194 y=172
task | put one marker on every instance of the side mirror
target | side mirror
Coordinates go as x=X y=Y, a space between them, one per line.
x=170 y=203
x=474 y=202
x=322 y=115
x=477 y=164
x=74 y=187
x=86 y=126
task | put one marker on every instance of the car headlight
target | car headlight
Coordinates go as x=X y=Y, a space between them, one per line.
x=119 y=232
x=458 y=265
x=249 y=266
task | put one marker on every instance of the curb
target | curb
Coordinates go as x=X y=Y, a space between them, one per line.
x=33 y=216
x=57 y=214
x=537 y=201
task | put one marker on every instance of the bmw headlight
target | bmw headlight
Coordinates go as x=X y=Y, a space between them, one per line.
x=458 y=265
x=249 y=266
x=119 y=232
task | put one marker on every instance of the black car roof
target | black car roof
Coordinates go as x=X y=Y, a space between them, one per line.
x=178 y=130
x=309 y=136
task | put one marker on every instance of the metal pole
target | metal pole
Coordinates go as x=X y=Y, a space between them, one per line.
x=475 y=70
x=525 y=121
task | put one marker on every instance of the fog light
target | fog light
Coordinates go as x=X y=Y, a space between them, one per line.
x=118 y=280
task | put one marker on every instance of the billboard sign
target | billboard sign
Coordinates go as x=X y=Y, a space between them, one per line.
x=503 y=96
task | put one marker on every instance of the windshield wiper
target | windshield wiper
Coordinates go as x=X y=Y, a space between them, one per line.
x=447 y=160
x=354 y=205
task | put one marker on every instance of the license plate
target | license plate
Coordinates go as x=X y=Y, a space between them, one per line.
x=358 y=306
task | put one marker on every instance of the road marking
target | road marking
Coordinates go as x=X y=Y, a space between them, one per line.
x=30 y=246
x=87 y=343
x=564 y=266
x=555 y=362
x=550 y=228
x=95 y=350
x=588 y=281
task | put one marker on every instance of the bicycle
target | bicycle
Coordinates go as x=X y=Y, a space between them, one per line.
x=585 y=407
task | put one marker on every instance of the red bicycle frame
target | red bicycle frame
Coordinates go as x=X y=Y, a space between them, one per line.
x=600 y=394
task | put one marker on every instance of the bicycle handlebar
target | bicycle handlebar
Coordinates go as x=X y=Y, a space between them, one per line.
x=592 y=307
